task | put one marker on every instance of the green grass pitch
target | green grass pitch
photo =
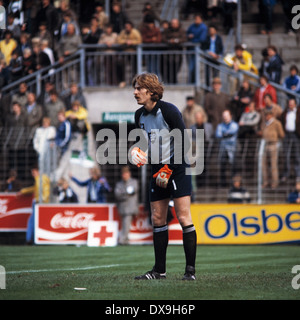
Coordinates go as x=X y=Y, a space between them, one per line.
x=223 y=273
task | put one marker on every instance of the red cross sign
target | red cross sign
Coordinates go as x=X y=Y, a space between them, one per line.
x=103 y=233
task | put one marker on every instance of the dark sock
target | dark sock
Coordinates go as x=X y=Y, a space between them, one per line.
x=160 y=242
x=189 y=244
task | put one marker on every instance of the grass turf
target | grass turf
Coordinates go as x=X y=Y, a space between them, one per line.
x=223 y=272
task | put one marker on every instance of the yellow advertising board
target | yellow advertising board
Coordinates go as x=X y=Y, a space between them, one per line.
x=246 y=224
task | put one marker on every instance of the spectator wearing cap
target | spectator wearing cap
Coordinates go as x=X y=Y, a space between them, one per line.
x=215 y=103
x=272 y=133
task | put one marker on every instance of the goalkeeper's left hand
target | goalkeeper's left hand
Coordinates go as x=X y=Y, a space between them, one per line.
x=163 y=176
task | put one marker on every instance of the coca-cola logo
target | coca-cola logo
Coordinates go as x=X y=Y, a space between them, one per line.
x=3 y=206
x=71 y=220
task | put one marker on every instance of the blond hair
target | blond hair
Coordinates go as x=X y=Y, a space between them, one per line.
x=150 y=82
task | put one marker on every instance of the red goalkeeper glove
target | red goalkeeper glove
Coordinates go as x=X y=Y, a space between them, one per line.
x=163 y=176
x=138 y=156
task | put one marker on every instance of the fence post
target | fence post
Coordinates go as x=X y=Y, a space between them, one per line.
x=82 y=68
x=197 y=66
x=139 y=60
x=259 y=173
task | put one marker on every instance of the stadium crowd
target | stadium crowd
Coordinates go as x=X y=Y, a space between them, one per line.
x=39 y=34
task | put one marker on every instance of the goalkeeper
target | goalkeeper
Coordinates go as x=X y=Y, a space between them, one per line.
x=169 y=179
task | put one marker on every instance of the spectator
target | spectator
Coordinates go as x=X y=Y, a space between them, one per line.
x=272 y=134
x=24 y=43
x=48 y=14
x=45 y=34
x=4 y=73
x=63 y=132
x=126 y=195
x=35 y=190
x=18 y=118
x=227 y=132
x=21 y=95
x=213 y=45
x=43 y=136
x=151 y=34
x=248 y=122
x=12 y=183
x=174 y=37
x=117 y=17
x=45 y=94
x=68 y=43
x=34 y=111
x=78 y=117
x=91 y=35
x=74 y=94
x=109 y=39
x=242 y=99
x=189 y=111
x=64 y=192
x=149 y=11
x=292 y=82
x=15 y=66
x=238 y=194
x=41 y=58
x=274 y=68
x=97 y=186
x=68 y=19
x=45 y=48
x=215 y=103
x=53 y=107
x=265 y=88
x=242 y=60
x=100 y=14
x=266 y=12
x=294 y=196
x=7 y=46
x=290 y=120
x=196 y=33
x=129 y=38
x=274 y=107
x=14 y=28
x=28 y=62
x=228 y=7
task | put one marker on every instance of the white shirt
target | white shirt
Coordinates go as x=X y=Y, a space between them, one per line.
x=290 y=124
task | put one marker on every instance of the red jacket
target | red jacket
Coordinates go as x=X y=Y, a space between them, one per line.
x=259 y=96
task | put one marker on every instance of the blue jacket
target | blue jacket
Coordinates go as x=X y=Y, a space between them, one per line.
x=63 y=135
x=199 y=31
x=293 y=196
x=101 y=185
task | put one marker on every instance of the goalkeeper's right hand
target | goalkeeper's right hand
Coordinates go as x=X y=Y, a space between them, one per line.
x=138 y=156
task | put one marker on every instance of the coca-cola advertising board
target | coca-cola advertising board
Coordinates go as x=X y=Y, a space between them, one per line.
x=68 y=224
x=14 y=212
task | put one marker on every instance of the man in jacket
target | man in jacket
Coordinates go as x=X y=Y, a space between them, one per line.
x=290 y=120
x=126 y=194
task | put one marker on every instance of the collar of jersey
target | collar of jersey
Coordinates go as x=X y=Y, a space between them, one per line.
x=153 y=111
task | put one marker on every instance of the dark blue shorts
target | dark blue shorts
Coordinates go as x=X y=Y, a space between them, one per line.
x=179 y=185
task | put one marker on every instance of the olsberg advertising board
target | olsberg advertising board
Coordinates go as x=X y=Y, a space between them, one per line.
x=246 y=224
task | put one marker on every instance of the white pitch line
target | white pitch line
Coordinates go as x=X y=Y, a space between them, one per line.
x=68 y=269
